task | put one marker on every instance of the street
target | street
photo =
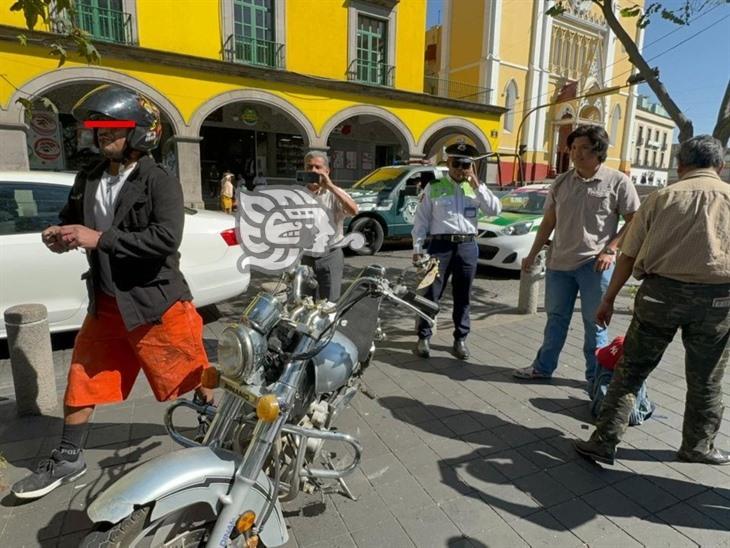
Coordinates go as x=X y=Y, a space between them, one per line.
x=456 y=454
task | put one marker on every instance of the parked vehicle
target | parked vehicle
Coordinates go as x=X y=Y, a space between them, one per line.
x=288 y=368
x=387 y=198
x=29 y=273
x=506 y=239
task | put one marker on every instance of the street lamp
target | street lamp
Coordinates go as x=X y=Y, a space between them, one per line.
x=520 y=148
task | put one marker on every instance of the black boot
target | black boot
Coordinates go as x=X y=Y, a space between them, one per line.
x=423 y=350
x=460 y=349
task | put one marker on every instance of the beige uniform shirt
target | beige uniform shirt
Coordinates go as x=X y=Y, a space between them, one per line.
x=682 y=231
x=587 y=214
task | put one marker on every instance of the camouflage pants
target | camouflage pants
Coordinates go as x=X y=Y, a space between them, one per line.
x=663 y=306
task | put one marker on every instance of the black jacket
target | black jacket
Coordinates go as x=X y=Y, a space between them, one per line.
x=142 y=244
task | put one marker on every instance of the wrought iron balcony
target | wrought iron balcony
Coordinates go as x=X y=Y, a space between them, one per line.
x=250 y=51
x=455 y=90
x=368 y=72
x=105 y=25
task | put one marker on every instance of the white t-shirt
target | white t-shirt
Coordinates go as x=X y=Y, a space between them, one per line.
x=104 y=204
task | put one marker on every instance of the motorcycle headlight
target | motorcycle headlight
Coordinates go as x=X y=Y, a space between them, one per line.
x=517 y=229
x=236 y=351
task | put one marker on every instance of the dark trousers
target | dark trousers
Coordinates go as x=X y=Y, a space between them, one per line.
x=663 y=306
x=458 y=261
x=328 y=271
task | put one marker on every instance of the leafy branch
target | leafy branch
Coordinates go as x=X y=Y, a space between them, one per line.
x=58 y=15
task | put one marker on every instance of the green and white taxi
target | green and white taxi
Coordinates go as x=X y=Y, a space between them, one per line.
x=506 y=239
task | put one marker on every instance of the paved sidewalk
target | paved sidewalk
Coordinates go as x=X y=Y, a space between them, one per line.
x=456 y=455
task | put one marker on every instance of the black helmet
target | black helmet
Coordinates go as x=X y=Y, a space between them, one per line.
x=117 y=103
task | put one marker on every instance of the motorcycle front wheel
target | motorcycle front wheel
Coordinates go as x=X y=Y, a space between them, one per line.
x=188 y=527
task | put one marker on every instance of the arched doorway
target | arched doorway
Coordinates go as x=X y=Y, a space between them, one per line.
x=363 y=138
x=454 y=130
x=248 y=132
x=561 y=153
x=54 y=139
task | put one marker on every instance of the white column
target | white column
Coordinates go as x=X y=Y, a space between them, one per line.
x=489 y=67
x=188 y=169
x=536 y=80
x=445 y=43
x=14 y=149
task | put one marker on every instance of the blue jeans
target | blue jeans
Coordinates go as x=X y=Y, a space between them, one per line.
x=561 y=290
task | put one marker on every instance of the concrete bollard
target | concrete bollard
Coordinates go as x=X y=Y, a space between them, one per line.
x=29 y=343
x=530 y=287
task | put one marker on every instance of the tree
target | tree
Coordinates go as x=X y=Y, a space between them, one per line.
x=680 y=16
x=58 y=15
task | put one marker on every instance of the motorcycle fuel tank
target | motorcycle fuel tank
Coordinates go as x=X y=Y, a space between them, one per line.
x=334 y=365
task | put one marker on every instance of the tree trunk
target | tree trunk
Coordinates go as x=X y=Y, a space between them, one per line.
x=722 y=127
x=686 y=130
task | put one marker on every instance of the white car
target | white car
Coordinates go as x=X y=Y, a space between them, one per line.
x=506 y=239
x=30 y=273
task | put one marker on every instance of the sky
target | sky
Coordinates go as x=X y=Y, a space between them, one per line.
x=695 y=73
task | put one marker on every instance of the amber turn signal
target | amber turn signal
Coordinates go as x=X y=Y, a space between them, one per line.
x=210 y=378
x=267 y=408
x=245 y=521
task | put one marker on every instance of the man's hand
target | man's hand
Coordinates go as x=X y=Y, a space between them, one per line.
x=75 y=236
x=528 y=263
x=52 y=239
x=604 y=261
x=472 y=177
x=324 y=179
x=604 y=313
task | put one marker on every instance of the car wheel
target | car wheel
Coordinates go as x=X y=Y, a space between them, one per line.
x=373 y=232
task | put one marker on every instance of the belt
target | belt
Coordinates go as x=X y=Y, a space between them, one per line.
x=454 y=238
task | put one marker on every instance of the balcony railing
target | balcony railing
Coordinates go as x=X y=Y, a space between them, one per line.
x=105 y=25
x=250 y=51
x=455 y=90
x=367 y=72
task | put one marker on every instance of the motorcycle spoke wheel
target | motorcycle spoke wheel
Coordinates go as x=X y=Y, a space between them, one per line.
x=186 y=528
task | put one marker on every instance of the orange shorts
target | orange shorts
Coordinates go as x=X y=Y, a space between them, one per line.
x=107 y=358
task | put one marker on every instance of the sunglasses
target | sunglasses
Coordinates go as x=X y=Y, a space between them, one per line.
x=461 y=164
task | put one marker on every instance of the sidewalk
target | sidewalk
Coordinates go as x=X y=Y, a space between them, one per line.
x=456 y=455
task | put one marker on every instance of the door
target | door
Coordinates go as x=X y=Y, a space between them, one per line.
x=103 y=19
x=253 y=32
x=29 y=272
x=372 y=51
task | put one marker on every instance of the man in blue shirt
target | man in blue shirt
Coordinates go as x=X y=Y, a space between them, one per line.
x=448 y=215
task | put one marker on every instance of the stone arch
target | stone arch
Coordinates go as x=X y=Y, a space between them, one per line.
x=437 y=130
x=253 y=96
x=387 y=117
x=59 y=77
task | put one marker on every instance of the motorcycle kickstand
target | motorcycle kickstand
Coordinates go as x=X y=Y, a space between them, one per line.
x=341 y=481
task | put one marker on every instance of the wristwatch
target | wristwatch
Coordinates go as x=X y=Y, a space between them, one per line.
x=609 y=251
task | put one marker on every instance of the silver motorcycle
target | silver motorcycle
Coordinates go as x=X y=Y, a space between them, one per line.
x=287 y=369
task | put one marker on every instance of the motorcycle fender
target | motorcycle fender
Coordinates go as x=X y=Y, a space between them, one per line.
x=182 y=478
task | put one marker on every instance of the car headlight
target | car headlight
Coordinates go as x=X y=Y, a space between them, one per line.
x=517 y=229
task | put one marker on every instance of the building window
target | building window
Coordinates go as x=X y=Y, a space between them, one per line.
x=640 y=136
x=371 y=46
x=637 y=157
x=646 y=157
x=654 y=158
x=105 y=20
x=661 y=160
x=510 y=98
x=251 y=29
x=615 y=120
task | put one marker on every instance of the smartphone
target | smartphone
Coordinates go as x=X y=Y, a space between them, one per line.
x=306 y=177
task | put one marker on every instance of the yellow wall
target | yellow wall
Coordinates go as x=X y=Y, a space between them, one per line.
x=515 y=33
x=316 y=40
x=466 y=34
x=188 y=90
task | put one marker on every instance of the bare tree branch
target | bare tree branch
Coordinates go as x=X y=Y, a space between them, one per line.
x=722 y=126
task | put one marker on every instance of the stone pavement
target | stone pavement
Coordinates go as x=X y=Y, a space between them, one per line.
x=456 y=455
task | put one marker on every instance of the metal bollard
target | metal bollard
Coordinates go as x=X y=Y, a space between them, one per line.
x=29 y=343
x=530 y=287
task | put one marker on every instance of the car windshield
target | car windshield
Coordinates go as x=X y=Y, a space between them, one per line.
x=383 y=179
x=525 y=201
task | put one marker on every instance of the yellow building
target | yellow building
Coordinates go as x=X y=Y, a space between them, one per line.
x=244 y=85
x=527 y=61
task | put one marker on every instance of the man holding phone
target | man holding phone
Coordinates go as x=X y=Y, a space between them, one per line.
x=339 y=205
x=448 y=213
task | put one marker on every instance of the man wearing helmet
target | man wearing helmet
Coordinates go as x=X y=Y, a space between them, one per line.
x=127 y=214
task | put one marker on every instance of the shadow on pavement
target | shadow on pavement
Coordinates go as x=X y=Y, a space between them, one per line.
x=504 y=464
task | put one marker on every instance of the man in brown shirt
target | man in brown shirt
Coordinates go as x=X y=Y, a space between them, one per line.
x=678 y=245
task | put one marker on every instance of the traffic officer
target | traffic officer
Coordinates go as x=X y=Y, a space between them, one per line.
x=448 y=214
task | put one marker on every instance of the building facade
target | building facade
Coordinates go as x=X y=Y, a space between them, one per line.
x=244 y=85
x=652 y=144
x=551 y=73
